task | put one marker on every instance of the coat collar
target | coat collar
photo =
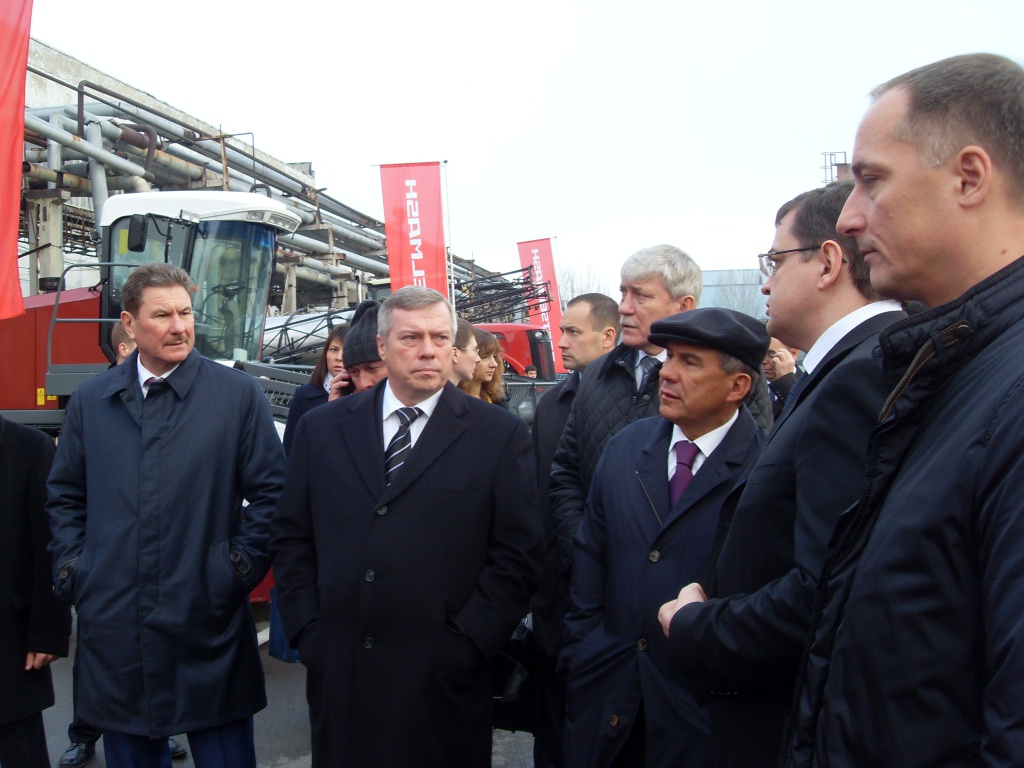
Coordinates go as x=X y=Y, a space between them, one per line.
x=959 y=330
x=124 y=381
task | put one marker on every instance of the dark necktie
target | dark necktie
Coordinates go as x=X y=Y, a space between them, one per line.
x=685 y=454
x=401 y=443
x=155 y=384
x=647 y=365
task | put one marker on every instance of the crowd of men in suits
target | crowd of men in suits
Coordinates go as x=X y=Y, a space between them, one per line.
x=716 y=579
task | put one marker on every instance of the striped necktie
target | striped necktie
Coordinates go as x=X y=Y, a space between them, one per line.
x=401 y=443
x=647 y=366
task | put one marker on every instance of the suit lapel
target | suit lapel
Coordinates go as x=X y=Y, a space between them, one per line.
x=445 y=425
x=652 y=471
x=361 y=430
x=858 y=335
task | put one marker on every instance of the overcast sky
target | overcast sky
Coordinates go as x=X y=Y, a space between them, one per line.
x=608 y=126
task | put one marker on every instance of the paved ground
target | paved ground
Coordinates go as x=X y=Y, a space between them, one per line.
x=282 y=729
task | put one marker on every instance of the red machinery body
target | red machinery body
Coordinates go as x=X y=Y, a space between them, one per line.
x=23 y=346
x=524 y=345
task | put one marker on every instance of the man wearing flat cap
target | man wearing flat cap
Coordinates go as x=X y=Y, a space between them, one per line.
x=659 y=505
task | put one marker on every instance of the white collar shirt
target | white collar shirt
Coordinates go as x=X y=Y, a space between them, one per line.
x=391 y=421
x=706 y=444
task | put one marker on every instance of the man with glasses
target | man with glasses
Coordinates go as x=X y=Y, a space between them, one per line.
x=744 y=645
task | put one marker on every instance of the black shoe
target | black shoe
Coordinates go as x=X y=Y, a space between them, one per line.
x=77 y=755
x=178 y=752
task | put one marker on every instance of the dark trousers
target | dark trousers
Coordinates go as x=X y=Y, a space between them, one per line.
x=225 y=746
x=82 y=733
x=79 y=732
x=549 y=727
x=23 y=743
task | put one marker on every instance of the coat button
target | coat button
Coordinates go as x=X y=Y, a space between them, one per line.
x=382 y=510
x=654 y=555
x=367 y=643
x=641 y=644
x=613 y=721
x=63 y=574
x=369 y=575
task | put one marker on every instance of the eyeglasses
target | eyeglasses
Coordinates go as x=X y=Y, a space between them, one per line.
x=769 y=263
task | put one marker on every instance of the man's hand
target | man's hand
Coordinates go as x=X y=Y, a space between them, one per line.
x=784 y=362
x=38 y=660
x=691 y=593
x=339 y=382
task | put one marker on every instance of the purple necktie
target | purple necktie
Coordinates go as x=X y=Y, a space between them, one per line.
x=685 y=454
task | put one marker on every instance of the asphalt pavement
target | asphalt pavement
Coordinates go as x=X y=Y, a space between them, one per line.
x=282 y=729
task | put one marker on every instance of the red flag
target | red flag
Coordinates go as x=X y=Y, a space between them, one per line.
x=15 y=16
x=536 y=254
x=413 y=225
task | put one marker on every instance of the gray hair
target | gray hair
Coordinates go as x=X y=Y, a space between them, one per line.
x=153 y=275
x=972 y=99
x=409 y=298
x=678 y=272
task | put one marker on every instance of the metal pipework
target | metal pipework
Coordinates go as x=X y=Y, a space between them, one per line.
x=211 y=148
x=97 y=171
x=315 y=246
x=66 y=139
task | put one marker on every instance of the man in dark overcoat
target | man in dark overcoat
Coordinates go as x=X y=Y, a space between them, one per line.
x=34 y=625
x=744 y=646
x=406 y=545
x=661 y=500
x=151 y=541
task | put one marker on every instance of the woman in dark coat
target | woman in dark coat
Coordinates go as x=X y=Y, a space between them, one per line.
x=34 y=625
x=328 y=369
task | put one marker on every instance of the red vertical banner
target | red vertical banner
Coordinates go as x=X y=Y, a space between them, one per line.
x=15 y=16
x=413 y=225
x=536 y=254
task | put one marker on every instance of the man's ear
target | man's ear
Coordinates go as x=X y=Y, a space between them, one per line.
x=830 y=259
x=974 y=169
x=686 y=303
x=609 y=336
x=380 y=348
x=740 y=388
x=128 y=322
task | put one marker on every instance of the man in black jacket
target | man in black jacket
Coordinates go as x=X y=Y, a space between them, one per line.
x=747 y=642
x=34 y=625
x=589 y=329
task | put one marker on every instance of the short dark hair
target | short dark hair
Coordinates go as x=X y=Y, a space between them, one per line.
x=119 y=335
x=977 y=99
x=154 y=275
x=463 y=333
x=814 y=222
x=604 y=310
x=338 y=333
